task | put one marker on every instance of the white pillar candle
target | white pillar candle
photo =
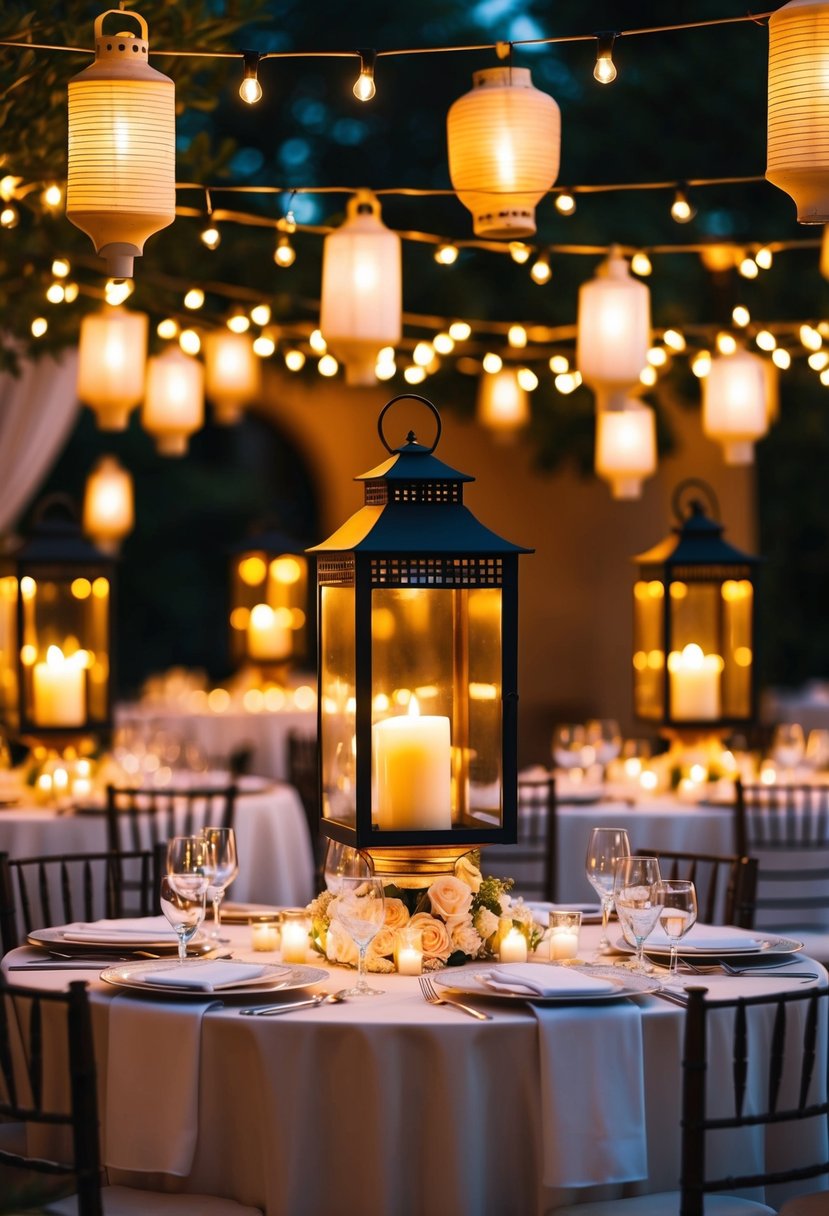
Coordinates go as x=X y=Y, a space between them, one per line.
x=265 y=936
x=59 y=694
x=269 y=637
x=695 y=684
x=513 y=947
x=294 y=940
x=412 y=771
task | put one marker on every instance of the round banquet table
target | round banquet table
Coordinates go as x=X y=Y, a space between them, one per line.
x=383 y=1105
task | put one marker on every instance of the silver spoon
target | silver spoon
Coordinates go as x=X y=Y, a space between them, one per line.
x=321 y=998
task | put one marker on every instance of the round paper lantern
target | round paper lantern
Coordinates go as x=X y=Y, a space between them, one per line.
x=504 y=140
x=614 y=328
x=626 y=448
x=108 y=510
x=734 y=408
x=503 y=405
x=798 y=113
x=362 y=297
x=232 y=376
x=174 y=402
x=112 y=358
x=122 y=163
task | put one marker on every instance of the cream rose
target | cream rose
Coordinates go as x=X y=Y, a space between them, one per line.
x=435 y=938
x=465 y=938
x=397 y=914
x=339 y=946
x=449 y=897
x=382 y=944
x=486 y=923
x=467 y=871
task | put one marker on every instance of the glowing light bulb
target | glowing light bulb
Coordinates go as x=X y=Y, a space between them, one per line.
x=386 y=369
x=446 y=255
x=640 y=264
x=39 y=327
x=423 y=354
x=238 y=323
x=818 y=360
x=444 y=344
x=605 y=69
x=517 y=336
x=364 y=87
x=766 y=340
x=748 y=268
x=567 y=382
x=492 y=362
x=559 y=365
x=674 y=340
x=726 y=343
x=52 y=196
x=657 y=356
x=810 y=337
x=284 y=255
x=519 y=252
x=250 y=90
x=194 y=298
x=328 y=366
x=540 y=271
x=294 y=360
x=60 y=268
x=189 y=341
x=116 y=291
x=9 y=216
x=264 y=346
x=648 y=376
x=260 y=314
x=70 y=292
x=701 y=364
x=8 y=185
x=317 y=343
x=55 y=293
x=741 y=316
x=211 y=237
x=168 y=328
x=681 y=209
x=459 y=331
x=565 y=203
x=414 y=374
x=764 y=257
x=781 y=358
x=527 y=378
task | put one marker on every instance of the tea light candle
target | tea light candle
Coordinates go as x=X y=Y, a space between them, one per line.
x=564 y=943
x=294 y=937
x=408 y=951
x=264 y=935
x=513 y=947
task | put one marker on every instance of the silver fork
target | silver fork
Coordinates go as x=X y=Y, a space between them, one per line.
x=430 y=995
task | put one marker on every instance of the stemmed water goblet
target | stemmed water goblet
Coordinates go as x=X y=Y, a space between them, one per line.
x=637 y=895
x=223 y=842
x=191 y=867
x=184 y=911
x=571 y=747
x=606 y=847
x=360 y=907
x=678 y=897
x=604 y=736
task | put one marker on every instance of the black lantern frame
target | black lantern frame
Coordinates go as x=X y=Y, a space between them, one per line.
x=270 y=569
x=695 y=590
x=417 y=599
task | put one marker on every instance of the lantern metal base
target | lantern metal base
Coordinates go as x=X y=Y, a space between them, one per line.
x=417 y=866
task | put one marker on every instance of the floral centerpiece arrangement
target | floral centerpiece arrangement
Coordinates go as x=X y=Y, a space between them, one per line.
x=460 y=916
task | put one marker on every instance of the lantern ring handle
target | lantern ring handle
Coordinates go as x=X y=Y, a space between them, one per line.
x=120 y=12
x=408 y=397
x=54 y=505
x=695 y=483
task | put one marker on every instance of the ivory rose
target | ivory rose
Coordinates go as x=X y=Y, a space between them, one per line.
x=382 y=943
x=435 y=938
x=397 y=914
x=339 y=946
x=468 y=872
x=449 y=897
x=465 y=938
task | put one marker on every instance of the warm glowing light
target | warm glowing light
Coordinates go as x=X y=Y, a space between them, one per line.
x=260 y=314
x=740 y=316
x=674 y=340
x=446 y=255
x=567 y=382
x=748 y=268
x=414 y=374
x=657 y=356
x=541 y=271
x=810 y=337
x=250 y=90
x=613 y=328
x=559 y=364
x=527 y=379
x=264 y=346
x=294 y=360
x=423 y=354
x=459 y=331
x=189 y=341
x=701 y=364
x=640 y=264
x=60 y=268
x=117 y=291
x=764 y=258
x=9 y=216
x=108 y=511
x=565 y=203
x=328 y=366
x=492 y=363
x=286 y=570
x=648 y=376
x=168 y=328
x=211 y=237
x=364 y=87
x=39 y=327
x=781 y=358
x=284 y=255
x=317 y=342
x=517 y=336
x=252 y=570
x=55 y=293
x=605 y=69
x=681 y=209
x=519 y=252
x=766 y=340
x=238 y=323
x=726 y=343
x=194 y=298
x=70 y=292
x=52 y=196
x=444 y=344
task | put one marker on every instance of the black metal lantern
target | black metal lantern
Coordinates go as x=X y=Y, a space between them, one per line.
x=56 y=611
x=269 y=602
x=694 y=602
x=417 y=666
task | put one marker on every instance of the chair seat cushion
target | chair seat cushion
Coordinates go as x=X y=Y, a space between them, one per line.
x=666 y=1203
x=131 y=1201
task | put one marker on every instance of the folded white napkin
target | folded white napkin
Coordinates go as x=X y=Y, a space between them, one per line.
x=125 y=929
x=711 y=937
x=206 y=976
x=545 y=979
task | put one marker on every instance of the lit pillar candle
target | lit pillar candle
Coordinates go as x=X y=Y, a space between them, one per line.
x=695 y=684
x=294 y=937
x=412 y=771
x=268 y=636
x=59 y=694
x=513 y=948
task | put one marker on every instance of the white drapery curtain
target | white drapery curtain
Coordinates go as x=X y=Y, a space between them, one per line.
x=38 y=409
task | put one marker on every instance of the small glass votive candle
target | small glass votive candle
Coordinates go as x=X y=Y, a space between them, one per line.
x=564 y=934
x=294 y=929
x=408 y=950
x=512 y=946
x=264 y=933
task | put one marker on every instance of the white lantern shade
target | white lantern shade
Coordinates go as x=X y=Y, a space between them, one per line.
x=734 y=408
x=614 y=328
x=232 y=374
x=798 y=106
x=108 y=504
x=626 y=448
x=503 y=406
x=122 y=154
x=174 y=402
x=112 y=359
x=362 y=296
x=504 y=140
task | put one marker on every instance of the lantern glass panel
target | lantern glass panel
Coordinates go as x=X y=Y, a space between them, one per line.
x=338 y=701
x=738 y=658
x=648 y=648
x=8 y=649
x=278 y=582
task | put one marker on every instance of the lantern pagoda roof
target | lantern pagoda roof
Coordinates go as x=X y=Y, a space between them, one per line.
x=56 y=536
x=697 y=540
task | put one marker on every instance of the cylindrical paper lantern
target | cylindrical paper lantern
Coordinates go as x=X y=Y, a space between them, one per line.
x=798 y=115
x=232 y=375
x=111 y=363
x=108 y=510
x=734 y=409
x=174 y=402
x=626 y=448
x=504 y=140
x=122 y=152
x=362 y=297
x=503 y=405
x=614 y=328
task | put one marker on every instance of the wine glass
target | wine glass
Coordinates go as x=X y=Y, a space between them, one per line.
x=637 y=894
x=604 y=736
x=360 y=907
x=605 y=848
x=571 y=747
x=343 y=861
x=184 y=909
x=817 y=749
x=223 y=841
x=678 y=897
x=788 y=746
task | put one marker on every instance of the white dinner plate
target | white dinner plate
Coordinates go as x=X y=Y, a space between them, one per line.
x=466 y=981
x=766 y=946
x=276 y=977
x=48 y=939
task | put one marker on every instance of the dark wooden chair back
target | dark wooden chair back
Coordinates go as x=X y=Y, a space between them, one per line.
x=143 y=818
x=531 y=861
x=37 y=892
x=726 y=885
x=303 y=774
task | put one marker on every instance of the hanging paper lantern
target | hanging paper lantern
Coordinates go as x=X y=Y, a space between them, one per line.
x=362 y=298
x=614 y=328
x=174 y=402
x=112 y=359
x=232 y=376
x=626 y=448
x=503 y=405
x=504 y=140
x=798 y=113
x=734 y=408
x=122 y=165
x=108 y=510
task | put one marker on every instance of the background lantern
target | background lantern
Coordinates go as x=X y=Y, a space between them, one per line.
x=626 y=447
x=121 y=184
x=504 y=140
x=232 y=374
x=269 y=602
x=614 y=328
x=174 y=401
x=694 y=601
x=798 y=107
x=417 y=669
x=503 y=405
x=362 y=300
x=734 y=404
x=112 y=360
x=108 y=505
x=56 y=632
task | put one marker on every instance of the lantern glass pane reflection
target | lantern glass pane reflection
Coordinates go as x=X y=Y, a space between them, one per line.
x=338 y=700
